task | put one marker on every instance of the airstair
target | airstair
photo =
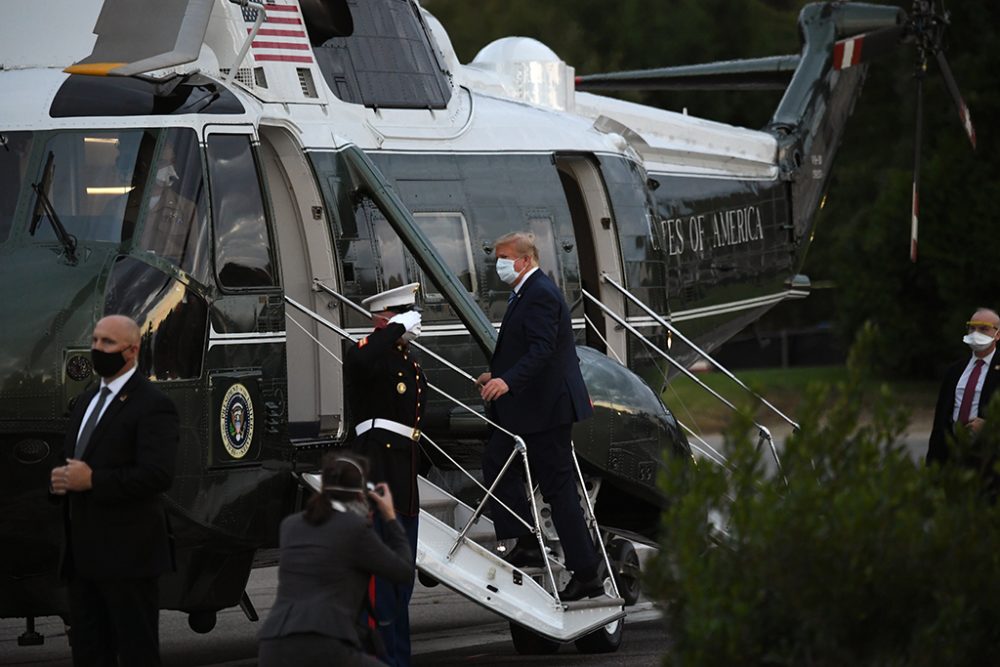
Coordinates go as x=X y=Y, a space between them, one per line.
x=457 y=546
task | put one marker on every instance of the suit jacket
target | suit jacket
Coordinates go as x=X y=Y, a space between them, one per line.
x=323 y=574
x=118 y=529
x=944 y=425
x=536 y=356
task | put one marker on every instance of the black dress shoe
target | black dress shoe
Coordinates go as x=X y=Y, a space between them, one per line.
x=525 y=556
x=578 y=589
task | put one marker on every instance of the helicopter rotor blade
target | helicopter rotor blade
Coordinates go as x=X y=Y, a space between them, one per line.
x=956 y=96
x=866 y=47
x=768 y=73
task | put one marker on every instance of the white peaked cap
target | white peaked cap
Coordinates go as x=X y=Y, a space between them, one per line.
x=392 y=298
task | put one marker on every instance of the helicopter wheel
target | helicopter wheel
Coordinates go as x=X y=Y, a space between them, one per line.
x=426 y=580
x=527 y=642
x=604 y=640
x=202 y=622
x=625 y=564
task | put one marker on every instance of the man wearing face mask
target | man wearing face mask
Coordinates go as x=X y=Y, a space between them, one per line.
x=968 y=384
x=170 y=214
x=387 y=393
x=120 y=449
x=534 y=388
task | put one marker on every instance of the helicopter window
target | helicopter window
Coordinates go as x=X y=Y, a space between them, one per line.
x=449 y=234
x=243 y=245
x=177 y=205
x=545 y=242
x=14 y=150
x=172 y=317
x=89 y=178
x=388 y=59
x=392 y=257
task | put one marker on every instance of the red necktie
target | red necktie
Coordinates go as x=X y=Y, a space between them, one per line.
x=965 y=409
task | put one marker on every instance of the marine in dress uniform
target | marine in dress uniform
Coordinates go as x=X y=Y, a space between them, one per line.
x=386 y=391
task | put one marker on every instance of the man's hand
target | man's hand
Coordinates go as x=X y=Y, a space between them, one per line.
x=976 y=425
x=494 y=389
x=74 y=476
x=483 y=379
x=410 y=320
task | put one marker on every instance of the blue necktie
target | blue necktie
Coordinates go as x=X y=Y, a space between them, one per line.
x=510 y=299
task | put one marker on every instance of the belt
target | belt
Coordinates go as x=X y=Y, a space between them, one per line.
x=411 y=432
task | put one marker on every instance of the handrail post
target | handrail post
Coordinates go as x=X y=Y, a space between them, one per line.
x=593 y=519
x=522 y=447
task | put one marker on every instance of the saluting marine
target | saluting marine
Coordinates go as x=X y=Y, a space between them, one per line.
x=386 y=392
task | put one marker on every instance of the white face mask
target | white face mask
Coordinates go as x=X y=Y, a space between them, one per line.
x=505 y=269
x=978 y=341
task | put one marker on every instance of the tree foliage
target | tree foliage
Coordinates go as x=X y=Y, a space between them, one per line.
x=864 y=558
x=862 y=238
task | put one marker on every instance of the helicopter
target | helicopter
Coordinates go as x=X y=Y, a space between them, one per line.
x=204 y=168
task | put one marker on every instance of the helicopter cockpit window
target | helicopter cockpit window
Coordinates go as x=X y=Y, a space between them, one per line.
x=91 y=179
x=174 y=224
x=173 y=318
x=449 y=234
x=243 y=245
x=14 y=150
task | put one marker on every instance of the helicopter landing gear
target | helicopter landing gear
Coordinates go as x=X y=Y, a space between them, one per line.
x=202 y=622
x=527 y=642
x=29 y=637
x=603 y=640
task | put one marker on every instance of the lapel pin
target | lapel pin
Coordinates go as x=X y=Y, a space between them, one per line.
x=123 y=398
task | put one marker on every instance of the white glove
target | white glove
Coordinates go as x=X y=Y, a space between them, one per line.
x=410 y=320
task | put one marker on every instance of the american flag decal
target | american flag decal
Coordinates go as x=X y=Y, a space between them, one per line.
x=282 y=37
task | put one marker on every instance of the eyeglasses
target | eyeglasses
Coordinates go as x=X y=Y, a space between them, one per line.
x=982 y=327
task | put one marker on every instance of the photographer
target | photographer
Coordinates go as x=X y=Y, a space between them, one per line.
x=328 y=554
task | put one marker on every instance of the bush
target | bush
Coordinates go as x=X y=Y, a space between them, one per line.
x=865 y=557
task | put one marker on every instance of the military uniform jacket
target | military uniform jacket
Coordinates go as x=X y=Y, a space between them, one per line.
x=384 y=381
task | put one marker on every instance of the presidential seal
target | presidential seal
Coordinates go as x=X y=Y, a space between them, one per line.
x=236 y=421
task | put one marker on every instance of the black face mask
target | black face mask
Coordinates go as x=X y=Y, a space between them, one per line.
x=107 y=364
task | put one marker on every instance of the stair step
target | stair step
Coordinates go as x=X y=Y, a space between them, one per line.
x=593 y=603
x=438 y=504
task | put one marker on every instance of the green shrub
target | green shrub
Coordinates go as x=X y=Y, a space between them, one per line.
x=864 y=557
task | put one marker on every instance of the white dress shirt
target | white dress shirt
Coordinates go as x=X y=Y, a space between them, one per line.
x=962 y=381
x=524 y=279
x=115 y=386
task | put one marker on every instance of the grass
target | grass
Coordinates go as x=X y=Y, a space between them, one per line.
x=783 y=387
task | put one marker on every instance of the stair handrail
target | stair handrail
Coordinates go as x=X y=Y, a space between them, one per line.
x=519 y=448
x=765 y=433
x=704 y=355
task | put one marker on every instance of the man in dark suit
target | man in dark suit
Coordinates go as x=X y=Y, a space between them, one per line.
x=120 y=454
x=968 y=385
x=534 y=389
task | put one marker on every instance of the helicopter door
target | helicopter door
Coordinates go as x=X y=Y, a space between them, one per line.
x=597 y=249
x=245 y=359
x=315 y=383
